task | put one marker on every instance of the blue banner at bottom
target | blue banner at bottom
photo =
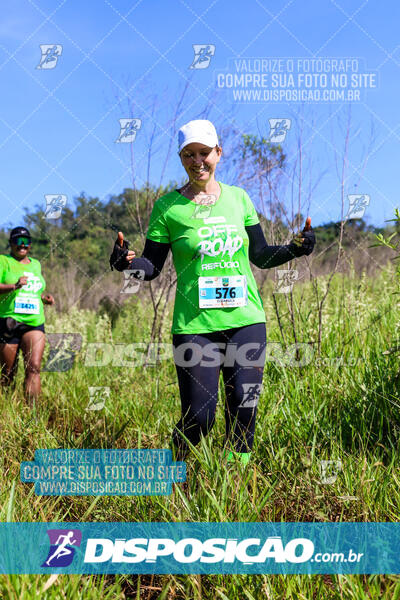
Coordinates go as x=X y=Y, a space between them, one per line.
x=197 y=548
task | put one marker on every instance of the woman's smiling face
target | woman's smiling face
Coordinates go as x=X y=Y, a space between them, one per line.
x=200 y=161
x=19 y=251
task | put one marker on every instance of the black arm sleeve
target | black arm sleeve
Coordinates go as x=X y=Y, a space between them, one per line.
x=264 y=256
x=152 y=259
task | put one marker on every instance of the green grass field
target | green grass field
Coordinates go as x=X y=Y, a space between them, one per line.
x=342 y=406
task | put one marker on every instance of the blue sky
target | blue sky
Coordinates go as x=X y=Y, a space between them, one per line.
x=122 y=59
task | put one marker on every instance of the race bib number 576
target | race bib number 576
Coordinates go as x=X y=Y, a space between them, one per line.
x=222 y=292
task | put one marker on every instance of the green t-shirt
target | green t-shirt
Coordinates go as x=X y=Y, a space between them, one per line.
x=216 y=289
x=24 y=305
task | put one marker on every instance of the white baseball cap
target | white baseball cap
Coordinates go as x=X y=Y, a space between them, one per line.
x=199 y=130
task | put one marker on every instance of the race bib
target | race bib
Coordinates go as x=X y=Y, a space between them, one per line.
x=26 y=305
x=222 y=292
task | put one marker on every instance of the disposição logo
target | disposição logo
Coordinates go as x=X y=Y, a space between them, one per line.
x=62 y=551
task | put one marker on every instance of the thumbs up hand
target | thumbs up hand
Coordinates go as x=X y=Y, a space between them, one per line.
x=121 y=256
x=305 y=240
x=307 y=226
x=120 y=240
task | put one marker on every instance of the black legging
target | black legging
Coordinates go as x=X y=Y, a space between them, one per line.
x=240 y=352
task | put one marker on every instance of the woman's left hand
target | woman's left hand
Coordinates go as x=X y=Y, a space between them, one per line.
x=48 y=299
x=306 y=238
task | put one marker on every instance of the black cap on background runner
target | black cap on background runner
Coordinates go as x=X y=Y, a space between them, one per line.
x=19 y=232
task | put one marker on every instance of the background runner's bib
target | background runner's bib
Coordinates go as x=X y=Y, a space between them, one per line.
x=207 y=245
x=24 y=305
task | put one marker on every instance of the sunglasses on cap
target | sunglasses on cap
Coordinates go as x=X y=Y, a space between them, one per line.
x=21 y=241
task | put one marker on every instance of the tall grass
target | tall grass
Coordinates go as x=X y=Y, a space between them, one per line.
x=342 y=406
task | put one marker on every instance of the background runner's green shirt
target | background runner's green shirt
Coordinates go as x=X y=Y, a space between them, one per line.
x=208 y=241
x=24 y=305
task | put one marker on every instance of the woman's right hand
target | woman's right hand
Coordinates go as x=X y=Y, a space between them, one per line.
x=21 y=282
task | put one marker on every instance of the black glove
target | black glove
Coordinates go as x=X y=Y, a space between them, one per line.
x=118 y=256
x=307 y=246
x=309 y=242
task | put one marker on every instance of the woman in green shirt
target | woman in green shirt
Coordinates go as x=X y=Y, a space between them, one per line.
x=21 y=312
x=218 y=325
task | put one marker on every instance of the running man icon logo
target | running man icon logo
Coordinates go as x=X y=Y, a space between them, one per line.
x=54 y=205
x=98 y=396
x=128 y=130
x=251 y=395
x=50 y=55
x=201 y=212
x=204 y=205
x=278 y=129
x=206 y=199
x=63 y=347
x=357 y=205
x=132 y=279
x=202 y=55
x=329 y=470
x=286 y=279
x=61 y=550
